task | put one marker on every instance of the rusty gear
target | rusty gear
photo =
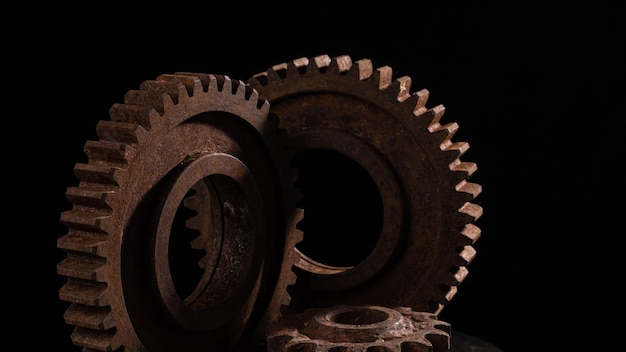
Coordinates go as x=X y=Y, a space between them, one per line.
x=427 y=230
x=177 y=135
x=350 y=328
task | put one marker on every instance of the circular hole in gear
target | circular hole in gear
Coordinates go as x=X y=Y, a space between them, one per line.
x=343 y=212
x=359 y=316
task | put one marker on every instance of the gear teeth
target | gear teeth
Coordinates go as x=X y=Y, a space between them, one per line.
x=301 y=83
x=158 y=100
x=384 y=76
x=86 y=267
x=97 y=174
x=135 y=114
x=82 y=242
x=472 y=189
x=472 y=210
x=362 y=69
x=114 y=153
x=192 y=84
x=96 y=318
x=472 y=232
x=467 y=168
x=94 y=340
x=84 y=292
x=122 y=132
x=403 y=86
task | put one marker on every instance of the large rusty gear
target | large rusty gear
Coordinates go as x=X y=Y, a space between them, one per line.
x=125 y=250
x=365 y=114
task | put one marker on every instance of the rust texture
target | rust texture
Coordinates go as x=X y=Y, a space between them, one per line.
x=360 y=329
x=364 y=113
x=187 y=226
x=177 y=232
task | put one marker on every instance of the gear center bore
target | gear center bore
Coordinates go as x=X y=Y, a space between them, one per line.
x=344 y=211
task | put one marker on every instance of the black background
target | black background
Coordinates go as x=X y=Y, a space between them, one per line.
x=538 y=93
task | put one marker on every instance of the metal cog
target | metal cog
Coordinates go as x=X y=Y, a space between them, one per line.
x=180 y=133
x=427 y=231
x=360 y=328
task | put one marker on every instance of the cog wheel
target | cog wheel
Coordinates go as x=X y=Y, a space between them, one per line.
x=340 y=108
x=139 y=277
x=350 y=328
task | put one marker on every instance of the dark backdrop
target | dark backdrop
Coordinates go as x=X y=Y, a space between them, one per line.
x=537 y=93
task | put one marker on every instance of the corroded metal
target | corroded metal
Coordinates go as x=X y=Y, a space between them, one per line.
x=373 y=119
x=352 y=328
x=128 y=283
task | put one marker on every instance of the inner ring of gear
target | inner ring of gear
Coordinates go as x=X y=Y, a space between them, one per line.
x=369 y=115
x=177 y=135
x=225 y=286
x=333 y=278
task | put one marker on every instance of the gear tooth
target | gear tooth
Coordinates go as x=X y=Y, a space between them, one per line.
x=96 y=199
x=84 y=220
x=251 y=94
x=472 y=232
x=239 y=89
x=277 y=72
x=434 y=114
x=153 y=99
x=467 y=168
x=104 y=175
x=86 y=266
x=204 y=78
x=420 y=98
x=297 y=67
x=108 y=152
x=93 y=340
x=468 y=254
x=322 y=62
x=222 y=83
x=340 y=64
x=136 y=114
x=81 y=241
x=473 y=210
x=362 y=69
x=402 y=86
x=96 y=318
x=192 y=83
x=473 y=189
x=174 y=89
x=121 y=132
x=383 y=75
x=258 y=80
x=84 y=292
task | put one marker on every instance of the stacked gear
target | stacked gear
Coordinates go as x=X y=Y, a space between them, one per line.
x=186 y=231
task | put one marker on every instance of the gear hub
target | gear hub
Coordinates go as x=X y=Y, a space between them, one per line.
x=199 y=150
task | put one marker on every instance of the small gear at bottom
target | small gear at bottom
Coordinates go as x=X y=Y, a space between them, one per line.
x=129 y=251
x=360 y=328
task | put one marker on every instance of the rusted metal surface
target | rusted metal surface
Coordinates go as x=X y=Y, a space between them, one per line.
x=184 y=234
x=425 y=241
x=352 y=328
x=138 y=280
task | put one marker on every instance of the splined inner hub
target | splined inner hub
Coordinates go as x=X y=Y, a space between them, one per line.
x=230 y=268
